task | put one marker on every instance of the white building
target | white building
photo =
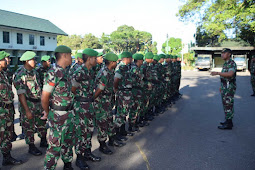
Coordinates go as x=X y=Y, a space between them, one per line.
x=20 y=33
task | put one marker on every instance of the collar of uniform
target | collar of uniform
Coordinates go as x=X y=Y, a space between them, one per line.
x=228 y=61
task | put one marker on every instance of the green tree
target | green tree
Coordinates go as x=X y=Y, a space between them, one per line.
x=90 y=41
x=189 y=58
x=175 y=45
x=222 y=17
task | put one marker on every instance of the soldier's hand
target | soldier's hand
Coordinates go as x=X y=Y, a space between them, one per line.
x=29 y=115
x=214 y=73
x=45 y=116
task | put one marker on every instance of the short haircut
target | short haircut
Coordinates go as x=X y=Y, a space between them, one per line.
x=85 y=57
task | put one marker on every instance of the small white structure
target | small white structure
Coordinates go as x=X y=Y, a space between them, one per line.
x=20 y=33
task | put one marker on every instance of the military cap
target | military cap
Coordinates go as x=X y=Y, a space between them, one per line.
x=111 y=57
x=63 y=49
x=138 y=56
x=7 y=54
x=2 y=55
x=126 y=54
x=28 y=55
x=100 y=54
x=167 y=56
x=78 y=55
x=90 y=52
x=226 y=50
x=149 y=55
x=174 y=56
x=156 y=57
x=119 y=57
x=161 y=56
x=45 y=58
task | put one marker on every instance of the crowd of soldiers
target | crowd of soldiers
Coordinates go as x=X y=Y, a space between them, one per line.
x=99 y=91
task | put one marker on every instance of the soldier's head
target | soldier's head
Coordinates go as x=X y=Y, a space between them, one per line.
x=110 y=60
x=63 y=55
x=3 y=63
x=226 y=53
x=161 y=58
x=28 y=59
x=7 y=58
x=79 y=58
x=168 y=58
x=100 y=58
x=45 y=61
x=126 y=57
x=149 y=57
x=89 y=56
x=138 y=59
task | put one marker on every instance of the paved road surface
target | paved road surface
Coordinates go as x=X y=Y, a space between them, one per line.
x=184 y=137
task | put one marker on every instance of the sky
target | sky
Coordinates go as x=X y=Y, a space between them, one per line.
x=97 y=16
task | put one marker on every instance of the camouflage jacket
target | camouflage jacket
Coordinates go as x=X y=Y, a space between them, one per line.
x=252 y=68
x=228 y=83
x=42 y=73
x=73 y=68
x=104 y=81
x=28 y=83
x=160 y=71
x=97 y=68
x=9 y=73
x=84 y=80
x=137 y=76
x=6 y=94
x=150 y=74
x=167 y=71
x=123 y=73
x=58 y=83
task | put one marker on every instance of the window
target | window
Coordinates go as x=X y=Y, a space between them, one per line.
x=19 y=38
x=49 y=38
x=6 y=37
x=31 y=39
x=42 y=43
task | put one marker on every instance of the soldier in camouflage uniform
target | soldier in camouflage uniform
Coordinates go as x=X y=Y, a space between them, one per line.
x=83 y=82
x=103 y=104
x=9 y=73
x=179 y=70
x=99 y=64
x=167 y=80
x=57 y=102
x=6 y=114
x=42 y=70
x=28 y=86
x=77 y=64
x=228 y=87
x=252 y=71
x=124 y=97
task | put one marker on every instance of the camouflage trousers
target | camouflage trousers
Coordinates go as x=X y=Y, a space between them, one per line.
x=136 y=110
x=227 y=96
x=104 y=118
x=61 y=138
x=253 y=82
x=30 y=126
x=124 y=104
x=85 y=123
x=167 y=90
x=6 y=129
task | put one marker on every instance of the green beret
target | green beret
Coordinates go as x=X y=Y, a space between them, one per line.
x=90 y=52
x=100 y=54
x=224 y=50
x=149 y=55
x=156 y=57
x=171 y=56
x=175 y=57
x=161 y=56
x=63 y=49
x=111 y=57
x=7 y=54
x=45 y=58
x=126 y=54
x=167 y=56
x=28 y=55
x=78 y=55
x=119 y=57
x=2 y=55
x=138 y=56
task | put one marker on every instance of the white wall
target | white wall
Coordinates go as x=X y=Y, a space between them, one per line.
x=50 y=40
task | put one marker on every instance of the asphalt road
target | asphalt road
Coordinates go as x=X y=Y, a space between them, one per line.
x=185 y=137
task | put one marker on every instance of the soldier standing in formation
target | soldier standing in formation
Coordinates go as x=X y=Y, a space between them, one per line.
x=228 y=87
x=42 y=70
x=252 y=71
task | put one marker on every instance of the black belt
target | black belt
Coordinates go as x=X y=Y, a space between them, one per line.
x=5 y=105
x=126 y=89
x=33 y=100
x=62 y=108
x=83 y=99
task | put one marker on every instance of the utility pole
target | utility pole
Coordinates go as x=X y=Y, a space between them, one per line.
x=166 y=43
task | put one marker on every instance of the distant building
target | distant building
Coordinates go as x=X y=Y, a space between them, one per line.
x=19 y=33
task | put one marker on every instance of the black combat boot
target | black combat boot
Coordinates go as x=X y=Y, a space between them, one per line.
x=253 y=94
x=68 y=166
x=89 y=156
x=114 y=142
x=123 y=131
x=33 y=150
x=81 y=163
x=43 y=142
x=131 y=127
x=14 y=137
x=143 y=122
x=119 y=137
x=9 y=160
x=227 y=125
x=104 y=149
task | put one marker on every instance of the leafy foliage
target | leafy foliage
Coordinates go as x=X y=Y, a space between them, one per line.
x=175 y=45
